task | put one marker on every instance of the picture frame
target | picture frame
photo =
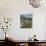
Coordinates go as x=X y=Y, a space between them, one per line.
x=26 y=20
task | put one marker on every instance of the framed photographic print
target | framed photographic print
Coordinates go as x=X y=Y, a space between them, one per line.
x=26 y=21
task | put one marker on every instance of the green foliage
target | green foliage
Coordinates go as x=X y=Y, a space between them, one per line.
x=26 y=22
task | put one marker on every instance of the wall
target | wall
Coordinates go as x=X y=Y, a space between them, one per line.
x=12 y=8
x=45 y=28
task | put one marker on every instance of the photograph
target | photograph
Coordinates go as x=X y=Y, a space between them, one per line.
x=26 y=21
